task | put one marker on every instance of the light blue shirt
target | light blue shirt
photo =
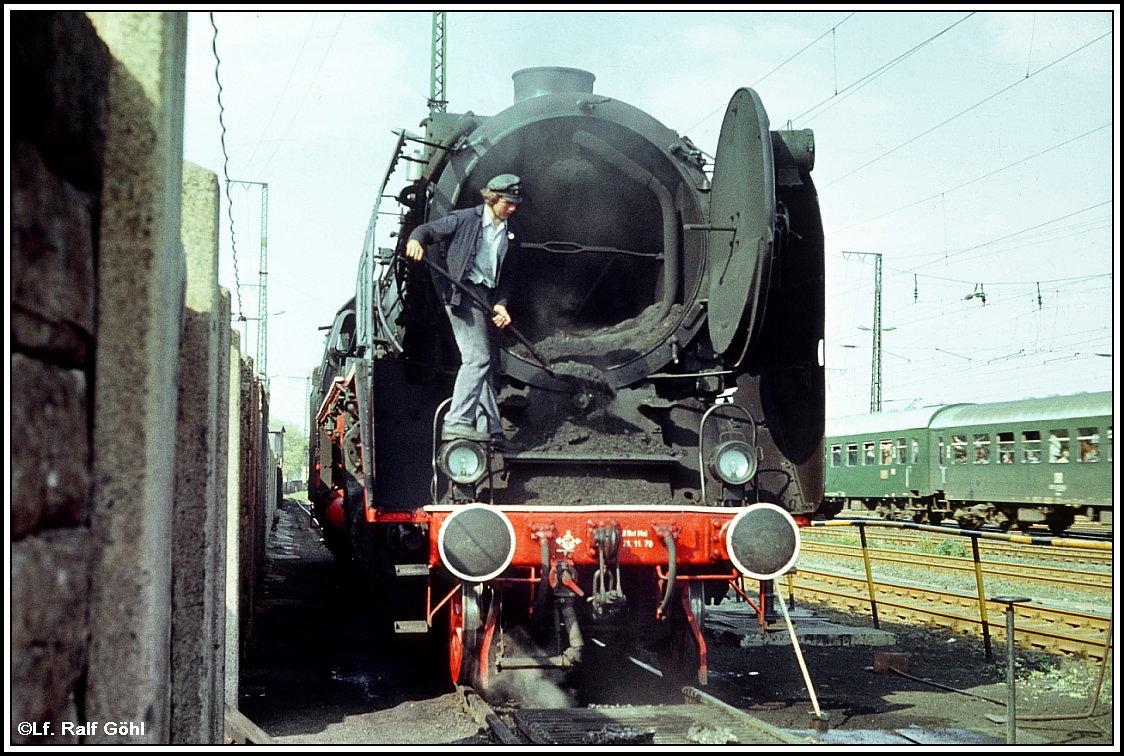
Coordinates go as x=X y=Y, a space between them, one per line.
x=493 y=245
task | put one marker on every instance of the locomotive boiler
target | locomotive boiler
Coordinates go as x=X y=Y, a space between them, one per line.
x=662 y=388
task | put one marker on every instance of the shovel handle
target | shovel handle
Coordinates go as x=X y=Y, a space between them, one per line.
x=487 y=308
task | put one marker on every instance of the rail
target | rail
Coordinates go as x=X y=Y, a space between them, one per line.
x=994 y=550
x=1046 y=628
x=1085 y=580
x=863 y=523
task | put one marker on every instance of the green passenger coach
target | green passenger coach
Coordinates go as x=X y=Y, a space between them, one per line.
x=1008 y=464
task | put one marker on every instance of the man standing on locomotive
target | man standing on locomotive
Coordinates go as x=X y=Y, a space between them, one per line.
x=482 y=248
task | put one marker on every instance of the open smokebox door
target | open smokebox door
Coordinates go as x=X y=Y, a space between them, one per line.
x=742 y=216
x=608 y=283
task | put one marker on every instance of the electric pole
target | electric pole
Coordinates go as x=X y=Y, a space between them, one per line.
x=437 y=101
x=263 y=272
x=876 y=356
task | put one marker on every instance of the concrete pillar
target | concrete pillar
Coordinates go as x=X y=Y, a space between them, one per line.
x=267 y=479
x=233 y=518
x=195 y=719
x=140 y=277
x=249 y=475
x=222 y=465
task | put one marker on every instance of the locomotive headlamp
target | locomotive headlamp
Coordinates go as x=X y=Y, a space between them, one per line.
x=763 y=541
x=463 y=461
x=734 y=462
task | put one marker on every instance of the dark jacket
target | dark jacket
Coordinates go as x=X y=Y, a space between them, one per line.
x=460 y=233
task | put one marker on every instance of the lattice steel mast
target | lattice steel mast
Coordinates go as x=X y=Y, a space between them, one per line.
x=437 y=101
x=876 y=357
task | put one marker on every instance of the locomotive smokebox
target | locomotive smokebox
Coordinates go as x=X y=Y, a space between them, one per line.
x=607 y=277
x=544 y=80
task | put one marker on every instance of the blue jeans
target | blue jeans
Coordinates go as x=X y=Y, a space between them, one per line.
x=474 y=393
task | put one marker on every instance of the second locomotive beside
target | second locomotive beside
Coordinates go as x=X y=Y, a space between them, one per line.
x=662 y=394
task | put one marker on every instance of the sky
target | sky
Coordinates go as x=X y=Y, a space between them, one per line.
x=974 y=153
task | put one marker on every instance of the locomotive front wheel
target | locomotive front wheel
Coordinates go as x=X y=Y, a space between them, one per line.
x=464 y=633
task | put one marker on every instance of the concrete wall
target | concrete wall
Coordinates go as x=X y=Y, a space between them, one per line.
x=233 y=520
x=199 y=512
x=141 y=275
x=137 y=424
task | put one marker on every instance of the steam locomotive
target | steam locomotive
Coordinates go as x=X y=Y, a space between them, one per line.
x=663 y=393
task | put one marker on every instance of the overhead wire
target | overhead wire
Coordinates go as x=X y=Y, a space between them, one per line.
x=873 y=75
x=1011 y=235
x=226 y=165
x=1066 y=232
x=306 y=93
x=1023 y=232
x=892 y=272
x=1004 y=315
x=1009 y=166
x=284 y=89
x=792 y=57
x=969 y=109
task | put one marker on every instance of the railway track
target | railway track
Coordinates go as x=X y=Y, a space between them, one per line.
x=701 y=720
x=1081 y=527
x=1095 y=584
x=1037 y=626
x=1098 y=554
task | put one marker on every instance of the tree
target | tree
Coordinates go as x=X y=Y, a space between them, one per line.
x=295 y=462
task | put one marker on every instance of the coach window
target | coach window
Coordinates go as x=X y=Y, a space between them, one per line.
x=1108 y=443
x=901 y=451
x=886 y=447
x=982 y=444
x=940 y=447
x=1088 y=444
x=836 y=455
x=916 y=449
x=1006 y=448
x=868 y=453
x=852 y=455
x=1032 y=442
x=1059 y=446
x=959 y=449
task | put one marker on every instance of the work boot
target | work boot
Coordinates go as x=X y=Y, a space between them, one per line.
x=451 y=431
x=502 y=445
